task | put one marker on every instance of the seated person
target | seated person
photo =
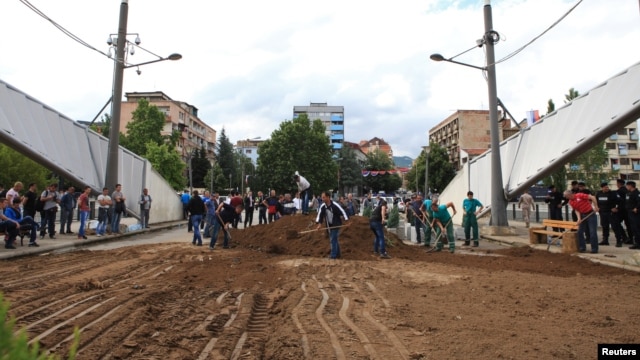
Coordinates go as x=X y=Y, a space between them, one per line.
x=7 y=225
x=26 y=223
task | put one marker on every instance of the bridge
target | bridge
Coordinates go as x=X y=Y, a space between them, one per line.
x=79 y=154
x=543 y=148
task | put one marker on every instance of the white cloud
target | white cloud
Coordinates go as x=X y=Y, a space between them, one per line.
x=246 y=64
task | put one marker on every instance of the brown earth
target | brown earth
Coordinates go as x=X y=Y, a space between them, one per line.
x=274 y=295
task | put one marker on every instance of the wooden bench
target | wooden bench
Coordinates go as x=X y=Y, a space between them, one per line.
x=566 y=233
x=21 y=234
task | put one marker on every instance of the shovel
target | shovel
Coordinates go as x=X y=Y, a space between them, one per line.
x=293 y=234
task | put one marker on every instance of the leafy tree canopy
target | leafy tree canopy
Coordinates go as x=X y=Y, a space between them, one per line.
x=350 y=169
x=145 y=127
x=297 y=145
x=17 y=167
x=166 y=160
x=441 y=170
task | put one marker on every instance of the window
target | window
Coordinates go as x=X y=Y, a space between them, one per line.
x=622 y=132
x=633 y=146
x=624 y=161
x=610 y=146
x=247 y=151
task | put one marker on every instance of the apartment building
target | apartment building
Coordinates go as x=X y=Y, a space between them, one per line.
x=331 y=116
x=465 y=134
x=180 y=116
x=624 y=155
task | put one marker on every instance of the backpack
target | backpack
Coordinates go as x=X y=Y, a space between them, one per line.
x=40 y=203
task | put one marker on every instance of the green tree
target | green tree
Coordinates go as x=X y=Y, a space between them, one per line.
x=200 y=166
x=166 y=160
x=225 y=156
x=145 y=127
x=17 y=167
x=350 y=170
x=104 y=128
x=297 y=145
x=589 y=167
x=441 y=170
x=572 y=94
x=219 y=181
x=377 y=161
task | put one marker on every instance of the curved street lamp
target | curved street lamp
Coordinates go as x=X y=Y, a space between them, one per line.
x=498 y=199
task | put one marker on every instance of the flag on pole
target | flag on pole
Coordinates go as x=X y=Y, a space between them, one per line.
x=532 y=117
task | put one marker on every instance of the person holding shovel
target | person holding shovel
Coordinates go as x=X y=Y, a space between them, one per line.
x=428 y=221
x=585 y=206
x=225 y=213
x=329 y=213
x=443 y=220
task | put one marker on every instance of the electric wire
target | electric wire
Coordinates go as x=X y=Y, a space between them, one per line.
x=63 y=30
x=516 y=52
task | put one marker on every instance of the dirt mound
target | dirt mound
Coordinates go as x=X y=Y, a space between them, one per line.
x=292 y=235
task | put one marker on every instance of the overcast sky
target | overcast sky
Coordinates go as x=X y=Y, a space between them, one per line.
x=247 y=63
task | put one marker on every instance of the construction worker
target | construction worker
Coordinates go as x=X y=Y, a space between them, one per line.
x=443 y=220
x=470 y=220
x=428 y=221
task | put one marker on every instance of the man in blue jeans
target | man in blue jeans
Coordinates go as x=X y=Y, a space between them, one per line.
x=225 y=214
x=197 y=210
x=118 y=199
x=376 y=222
x=329 y=213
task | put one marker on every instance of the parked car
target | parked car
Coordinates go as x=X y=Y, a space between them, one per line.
x=401 y=207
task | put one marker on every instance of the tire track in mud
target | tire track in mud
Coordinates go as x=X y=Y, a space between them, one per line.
x=256 y=327
x=296 y=320
x=335 y=341
x=217 y=329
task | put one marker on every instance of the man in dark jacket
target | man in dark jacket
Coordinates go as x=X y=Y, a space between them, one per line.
x=196 y=210
x=226 y=215
x=67 y=204
x=632 y=205
x=608 y=202
x=248 y=209
x=329 y=213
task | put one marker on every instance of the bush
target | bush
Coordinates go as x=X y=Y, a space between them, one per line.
x=394 y=218
x=367 y=211
x=16 y=346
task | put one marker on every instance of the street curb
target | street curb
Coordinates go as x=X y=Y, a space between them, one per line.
x=592 y=259
x=71 y=244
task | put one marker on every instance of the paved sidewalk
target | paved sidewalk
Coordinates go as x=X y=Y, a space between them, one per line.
x=621 y=257
x=70 y=241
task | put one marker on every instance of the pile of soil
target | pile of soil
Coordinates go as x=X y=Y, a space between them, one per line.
x=293 y=235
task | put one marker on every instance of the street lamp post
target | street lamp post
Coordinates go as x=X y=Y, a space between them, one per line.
x=111 y=170
x=498 y=200
x=427 y=149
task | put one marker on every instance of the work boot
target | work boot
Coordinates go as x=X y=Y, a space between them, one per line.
x=604 y=242
x=475 y=243
x=467 y=242
x=618 y=243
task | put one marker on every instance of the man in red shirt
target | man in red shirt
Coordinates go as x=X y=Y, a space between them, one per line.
x=585 y=206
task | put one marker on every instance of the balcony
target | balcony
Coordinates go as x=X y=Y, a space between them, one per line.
x=623 y=152
x=636 y=167
x=615 y=167
x=613 y=137
x=634 y=137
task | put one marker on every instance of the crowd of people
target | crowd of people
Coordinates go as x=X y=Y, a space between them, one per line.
x=615 y=208
x=20 y=208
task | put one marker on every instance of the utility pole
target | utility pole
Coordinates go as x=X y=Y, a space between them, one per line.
x=111 y=171
x=498 y=201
